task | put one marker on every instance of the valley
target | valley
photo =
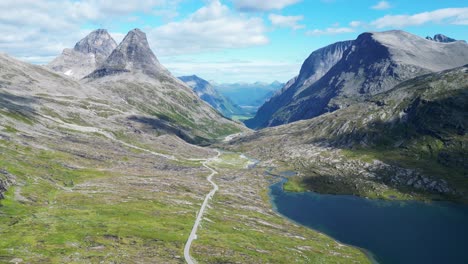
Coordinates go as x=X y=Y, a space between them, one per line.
x=107 y=157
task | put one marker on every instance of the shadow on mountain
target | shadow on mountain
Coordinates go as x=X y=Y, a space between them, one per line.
x=17 y=106
x=166 y=127
x=430 y=137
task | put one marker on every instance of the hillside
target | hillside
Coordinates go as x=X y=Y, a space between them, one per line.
x=83 y=179
x=409 y=142
x=209 y=94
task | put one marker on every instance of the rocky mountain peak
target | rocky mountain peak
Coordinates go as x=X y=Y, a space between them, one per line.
x=133 y=54
x=86 y=56
x=441 y=38
x=98 y=42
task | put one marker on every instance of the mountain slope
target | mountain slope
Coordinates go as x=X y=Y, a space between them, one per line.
x=82 y=180
x=86 y=56
x=313 y=68
x=408 y=142
x=209 y=94
x=133 y=75
x=375 y=63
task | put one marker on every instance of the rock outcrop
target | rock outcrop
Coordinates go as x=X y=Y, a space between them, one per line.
x=86 y=56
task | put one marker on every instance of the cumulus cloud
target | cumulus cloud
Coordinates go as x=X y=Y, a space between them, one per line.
x=286 y=21
x=36 y=30
x=262 y=5
x=457 y=16
x=382 y=5
x=330 y=31
x=212 y=27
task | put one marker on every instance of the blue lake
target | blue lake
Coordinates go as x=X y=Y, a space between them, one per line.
x=393 y=231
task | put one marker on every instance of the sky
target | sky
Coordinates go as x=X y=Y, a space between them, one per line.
x=224 y=41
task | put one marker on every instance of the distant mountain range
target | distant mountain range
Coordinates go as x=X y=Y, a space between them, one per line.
x=212 y=96
x=235 y=100
x=250 y=96
x=346 y=72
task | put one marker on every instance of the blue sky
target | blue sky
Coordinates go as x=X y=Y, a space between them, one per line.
x=222 y=40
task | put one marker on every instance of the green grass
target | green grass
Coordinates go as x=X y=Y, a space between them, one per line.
x=244 y=236
x=58 y=224
x=230 y=161
x=241 y=117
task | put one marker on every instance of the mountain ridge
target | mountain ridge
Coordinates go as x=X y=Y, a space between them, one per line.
x=376 y=62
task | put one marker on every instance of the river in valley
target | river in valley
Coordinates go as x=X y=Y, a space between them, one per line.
x=393 y=231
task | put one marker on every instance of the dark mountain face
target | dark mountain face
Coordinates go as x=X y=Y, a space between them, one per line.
x=314 y=67
x=133 y=54
x=374 y=63
x=441 y=38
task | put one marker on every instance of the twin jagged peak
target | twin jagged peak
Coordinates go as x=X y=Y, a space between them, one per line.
x=133 y=54
x=86 y=56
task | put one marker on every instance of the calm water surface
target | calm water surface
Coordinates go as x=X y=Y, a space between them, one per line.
x=393 y=231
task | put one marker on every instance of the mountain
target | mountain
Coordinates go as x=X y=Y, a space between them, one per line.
x=408 y=142
x=250 y=96
x=86 y=56
x=374 y=63
x=314 y=68
x=91 y=172
x=133 y=54
x=441 y=38
x=209 y=94
x=133 y=75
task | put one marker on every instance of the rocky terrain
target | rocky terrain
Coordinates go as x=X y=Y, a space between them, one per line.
x=209 y=94
x=441 y=38
x=100 y=170
x=374 y=63
x=86 y=56
x=408 y=142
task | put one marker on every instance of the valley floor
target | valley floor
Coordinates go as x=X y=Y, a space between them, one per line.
x=74 y=202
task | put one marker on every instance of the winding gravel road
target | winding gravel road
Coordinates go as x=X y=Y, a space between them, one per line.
x=193 y=234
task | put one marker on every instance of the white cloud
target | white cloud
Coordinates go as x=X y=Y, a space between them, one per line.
x=262 y=5
x=355 y=24
x=456 y=16
x=36 y=30
x=382 y=5
x=212 y=27
x=286 y=21
x=330 y=31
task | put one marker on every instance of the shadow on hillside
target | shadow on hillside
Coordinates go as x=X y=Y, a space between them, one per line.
x=17 y=105
x=165 y=127
x=430 y=136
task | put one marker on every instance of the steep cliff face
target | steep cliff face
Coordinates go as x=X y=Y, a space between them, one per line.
x=86 y=56
x=373 y=64
x=313 y=68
